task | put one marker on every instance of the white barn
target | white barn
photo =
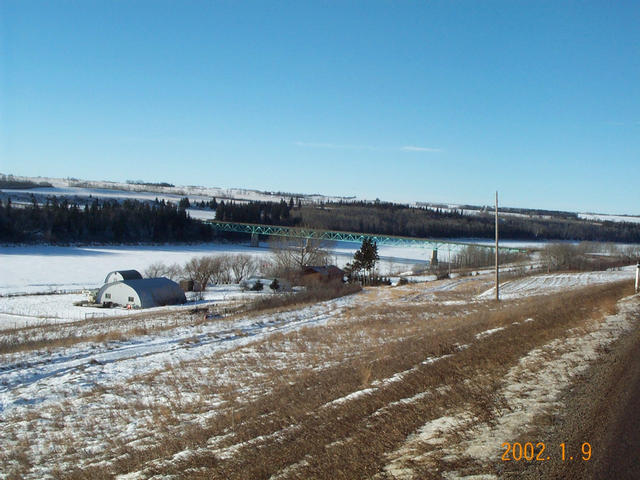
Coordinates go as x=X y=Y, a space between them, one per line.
x=120 y=275
x=142 y=293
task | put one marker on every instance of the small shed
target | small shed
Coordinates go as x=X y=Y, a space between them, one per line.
x=142 y=293
x=327 y=273
x=119 y=275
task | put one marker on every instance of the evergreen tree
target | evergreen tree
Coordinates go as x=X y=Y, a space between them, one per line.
x=184 y=203
x=367 y=256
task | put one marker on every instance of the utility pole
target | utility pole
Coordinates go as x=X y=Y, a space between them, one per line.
x=497 y=255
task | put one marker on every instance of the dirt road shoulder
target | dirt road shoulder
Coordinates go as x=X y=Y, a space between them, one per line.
x=602 y=408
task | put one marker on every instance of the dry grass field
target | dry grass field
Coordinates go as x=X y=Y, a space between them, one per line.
x=419 y=381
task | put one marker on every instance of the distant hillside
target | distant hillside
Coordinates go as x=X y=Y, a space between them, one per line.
x=11 y=182
x=168 y=191
x=34 y=200
x=424 y=222
x=394 y=219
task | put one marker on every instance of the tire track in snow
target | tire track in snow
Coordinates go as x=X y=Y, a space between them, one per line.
x=22 y=382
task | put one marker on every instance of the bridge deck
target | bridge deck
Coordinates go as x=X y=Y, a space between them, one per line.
x=339 y=236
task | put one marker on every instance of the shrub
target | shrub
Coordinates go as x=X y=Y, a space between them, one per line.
x=311 y=294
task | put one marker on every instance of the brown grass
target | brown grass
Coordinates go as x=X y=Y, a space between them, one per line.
x=288 y=423
x=124 y=328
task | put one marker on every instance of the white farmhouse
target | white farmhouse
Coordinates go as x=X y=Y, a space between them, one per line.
x=141 y=293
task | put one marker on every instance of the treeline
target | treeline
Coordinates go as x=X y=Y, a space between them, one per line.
x=130 y=221
x=150 y=184
x=268 y=213
x=9 y=181
x=106 y=221
x=393 y=219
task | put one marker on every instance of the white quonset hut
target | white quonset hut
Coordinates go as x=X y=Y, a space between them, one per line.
x=120 y=275
x=142 y=293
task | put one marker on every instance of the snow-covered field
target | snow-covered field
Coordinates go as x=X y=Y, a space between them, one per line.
x=108 y=394
x=557 y=282
x=58 y=275
x=610 y=218
x=104 y=189
x=75 y=368
x=42 y=269
x=33 y=310
x=38 y=269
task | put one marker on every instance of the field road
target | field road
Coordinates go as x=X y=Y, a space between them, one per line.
x=620 y=456
x=604 y=410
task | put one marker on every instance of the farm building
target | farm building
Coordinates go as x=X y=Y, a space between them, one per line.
x=120 y=275
x=326 y=273
x=141 y=293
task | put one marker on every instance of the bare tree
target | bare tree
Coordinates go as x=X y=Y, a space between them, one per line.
x=472 y=256
x=563 y=256
x=293 y=254
x=243 y=266
x=156 y=269
x=160 y=269
x=631 y=252
x=200 y=270
x=220 y=269
x=174 y=272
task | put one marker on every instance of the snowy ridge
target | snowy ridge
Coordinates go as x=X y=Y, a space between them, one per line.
x=105 y=189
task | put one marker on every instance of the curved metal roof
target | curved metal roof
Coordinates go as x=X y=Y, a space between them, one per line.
x=153 y=292
x=125 y=274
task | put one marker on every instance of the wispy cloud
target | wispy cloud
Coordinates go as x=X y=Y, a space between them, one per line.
x=413 y=148
x=335 y=146
x=338 y=146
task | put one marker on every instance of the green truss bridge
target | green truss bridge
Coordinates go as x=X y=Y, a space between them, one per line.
x=391 y=240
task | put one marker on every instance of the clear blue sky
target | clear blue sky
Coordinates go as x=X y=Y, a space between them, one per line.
x=441 y=101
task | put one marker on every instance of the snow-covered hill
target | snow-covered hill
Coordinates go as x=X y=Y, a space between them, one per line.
x=84 y=189
x=144 y=191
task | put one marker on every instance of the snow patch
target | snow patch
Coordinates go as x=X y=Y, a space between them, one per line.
x=531 y=387
x=556 y=282
x=487 y=333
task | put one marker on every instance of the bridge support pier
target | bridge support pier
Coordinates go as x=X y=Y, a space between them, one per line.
x=254 y=240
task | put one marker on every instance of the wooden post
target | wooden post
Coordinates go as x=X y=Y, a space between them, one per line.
x=638 y=277
x=497 y=255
